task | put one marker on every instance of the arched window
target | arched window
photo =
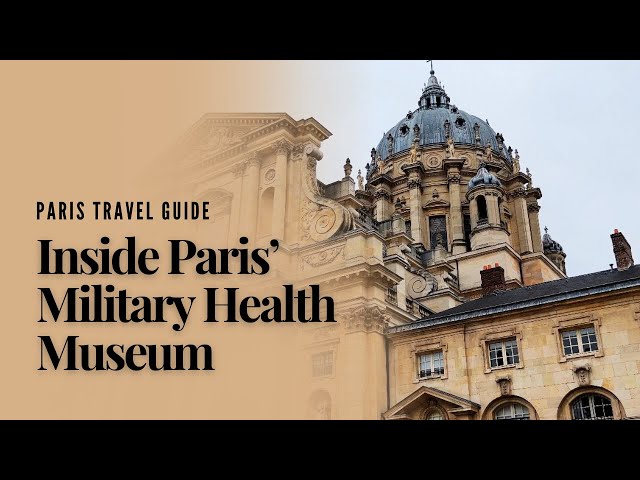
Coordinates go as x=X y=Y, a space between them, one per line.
x=592 y=406
x=512 y=411
x=510 y=407
x=434 y=415
x=482 y=208
x=434 y=412
x=266 y=212
x=590 y=403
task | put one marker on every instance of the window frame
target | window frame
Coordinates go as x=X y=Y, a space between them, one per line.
x=511 y=404
x=577 y=323
x=501 y=336
x=592 y=407
x=328 y=352
x=432 y=362
x=503 y=350
x=424 y=349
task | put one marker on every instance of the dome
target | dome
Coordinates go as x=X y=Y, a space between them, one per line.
x=549 y=244
x=430 y=118
x=483 y=177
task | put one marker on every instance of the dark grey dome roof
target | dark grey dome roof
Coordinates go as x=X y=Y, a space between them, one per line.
x=549 y=244
x=431 y=118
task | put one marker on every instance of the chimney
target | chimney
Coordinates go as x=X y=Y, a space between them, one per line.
x=492 y=279
x=621 y=250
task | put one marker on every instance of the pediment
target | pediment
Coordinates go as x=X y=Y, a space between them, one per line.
x=424 y=397
x=436 y=204
x=217 y=132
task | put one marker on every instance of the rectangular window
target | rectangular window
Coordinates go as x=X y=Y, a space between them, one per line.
x=582 y=340
x=430 y=364
x=467 y=232
x=438 y=231
x=503 y=353
x=322 y=364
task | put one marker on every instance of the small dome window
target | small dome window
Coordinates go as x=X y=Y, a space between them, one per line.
x=409 y=115
x=460 y=122
x=404 y=129
x=454 y=109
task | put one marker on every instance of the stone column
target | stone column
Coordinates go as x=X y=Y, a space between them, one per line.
x=415 y=206
x=457 y=223
x=234 y=221
x=383 y=197
x=493 y=213
x=282 y=149
x=250 y=196
x=534 y=222
x=522 y=218
x=473 y=212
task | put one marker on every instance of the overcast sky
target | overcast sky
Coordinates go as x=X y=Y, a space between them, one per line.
x=575 y=125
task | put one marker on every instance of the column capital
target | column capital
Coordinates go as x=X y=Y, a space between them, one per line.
x=414 y=182
x=253 y=159
x=297 y=151
x=381 y=194
x=453 y=178
x=518 y=192
x=282 y=147
x=533 y=207
x=239 y=168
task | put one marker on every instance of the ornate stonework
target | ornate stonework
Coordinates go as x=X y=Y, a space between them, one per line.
x=270 y=175
x=365 y=319
x=323 y=257
x=239 y=168
x=253 y=160
x=282 y=147
x=453 y=178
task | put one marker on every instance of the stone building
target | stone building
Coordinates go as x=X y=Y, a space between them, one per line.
x=450 y=303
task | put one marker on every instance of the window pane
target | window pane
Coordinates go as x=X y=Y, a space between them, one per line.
x=435 y=415
x=496 y=358
x=322 y=364
x=512 y=411
x=570 y=342
x=425 y=365
x=511 y=349
x=592 y=406
x=589 y=341
x=438 y=364
x=431 y=364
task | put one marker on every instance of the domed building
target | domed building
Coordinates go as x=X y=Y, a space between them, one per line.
x=444 y=183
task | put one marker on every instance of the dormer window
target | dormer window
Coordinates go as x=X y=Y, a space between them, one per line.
x=404 y=129
x=459 y=122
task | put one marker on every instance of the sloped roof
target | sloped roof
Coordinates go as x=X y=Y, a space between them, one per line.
x=535 y=295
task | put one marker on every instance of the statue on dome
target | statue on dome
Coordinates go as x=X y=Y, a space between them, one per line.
x=379 y=164
x=516 y=162
x=413 y=158
x=488 y=153
x=360 y=180
x=451 y=150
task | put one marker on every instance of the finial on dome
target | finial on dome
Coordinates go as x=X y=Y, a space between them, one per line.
x=431 y=62
x=546 y=230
